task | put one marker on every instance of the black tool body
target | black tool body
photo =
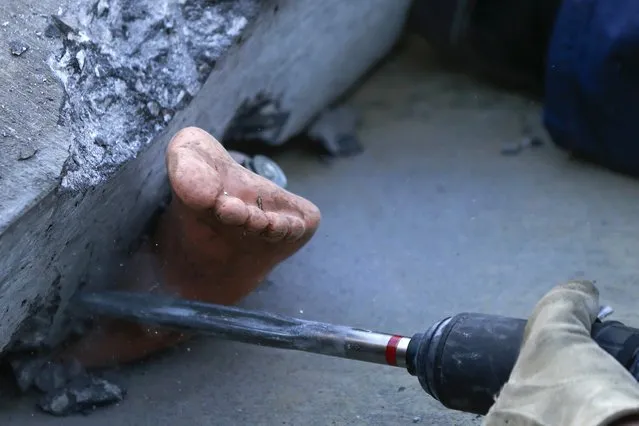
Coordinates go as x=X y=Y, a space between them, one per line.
x=463 y=361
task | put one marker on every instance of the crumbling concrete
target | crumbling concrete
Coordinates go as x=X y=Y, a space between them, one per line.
x=91 y=97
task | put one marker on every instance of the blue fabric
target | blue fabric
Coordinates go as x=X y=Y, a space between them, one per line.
x=592 y=81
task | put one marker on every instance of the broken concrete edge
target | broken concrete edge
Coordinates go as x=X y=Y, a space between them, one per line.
x=79 y=238
x=29 y=225
x=121 y=70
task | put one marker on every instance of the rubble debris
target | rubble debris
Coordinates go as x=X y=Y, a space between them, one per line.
x=27 y=152
x=67 y=388
x=80 y=57
x=82 y=395
x=39 y=372
x=268 y=169
x=17 y=47
x=514 y=148
x=336 y=130
x=533 y=141
x=154 y=108
x=261 y=165
x=53 y=375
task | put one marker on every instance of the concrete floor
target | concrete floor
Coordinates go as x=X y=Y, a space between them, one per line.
x=429 y=221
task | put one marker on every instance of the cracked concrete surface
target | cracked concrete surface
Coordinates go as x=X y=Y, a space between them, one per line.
x=84 y=163
x=430 y=220
x=132 y=65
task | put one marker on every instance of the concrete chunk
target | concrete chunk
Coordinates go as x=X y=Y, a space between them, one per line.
x=89 y=108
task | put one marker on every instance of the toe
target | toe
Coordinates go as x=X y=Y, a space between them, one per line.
x=232 y=211
x=296 y=228
x=257 y=220
x=277 y=227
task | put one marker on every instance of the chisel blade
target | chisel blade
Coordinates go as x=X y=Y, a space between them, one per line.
x=247 y=326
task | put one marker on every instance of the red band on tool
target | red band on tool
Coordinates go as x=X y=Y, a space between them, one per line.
x=391 y=350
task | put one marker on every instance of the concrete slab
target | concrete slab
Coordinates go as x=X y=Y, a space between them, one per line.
x=34 y=147
x=89 y=111
x=430 y=221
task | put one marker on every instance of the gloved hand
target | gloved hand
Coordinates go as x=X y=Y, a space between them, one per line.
x=562 y=377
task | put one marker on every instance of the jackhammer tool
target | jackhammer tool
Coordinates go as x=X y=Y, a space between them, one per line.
x=462 y=361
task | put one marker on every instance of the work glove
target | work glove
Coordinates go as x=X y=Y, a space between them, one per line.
x=562 y=377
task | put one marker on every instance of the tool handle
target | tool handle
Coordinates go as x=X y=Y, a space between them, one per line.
x=465 y=360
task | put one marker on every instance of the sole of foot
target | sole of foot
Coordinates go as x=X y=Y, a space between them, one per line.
x=225 y=229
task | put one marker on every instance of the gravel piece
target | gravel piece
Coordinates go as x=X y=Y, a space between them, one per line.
x=82 y=395
x=336 y=130
x=17 y=47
